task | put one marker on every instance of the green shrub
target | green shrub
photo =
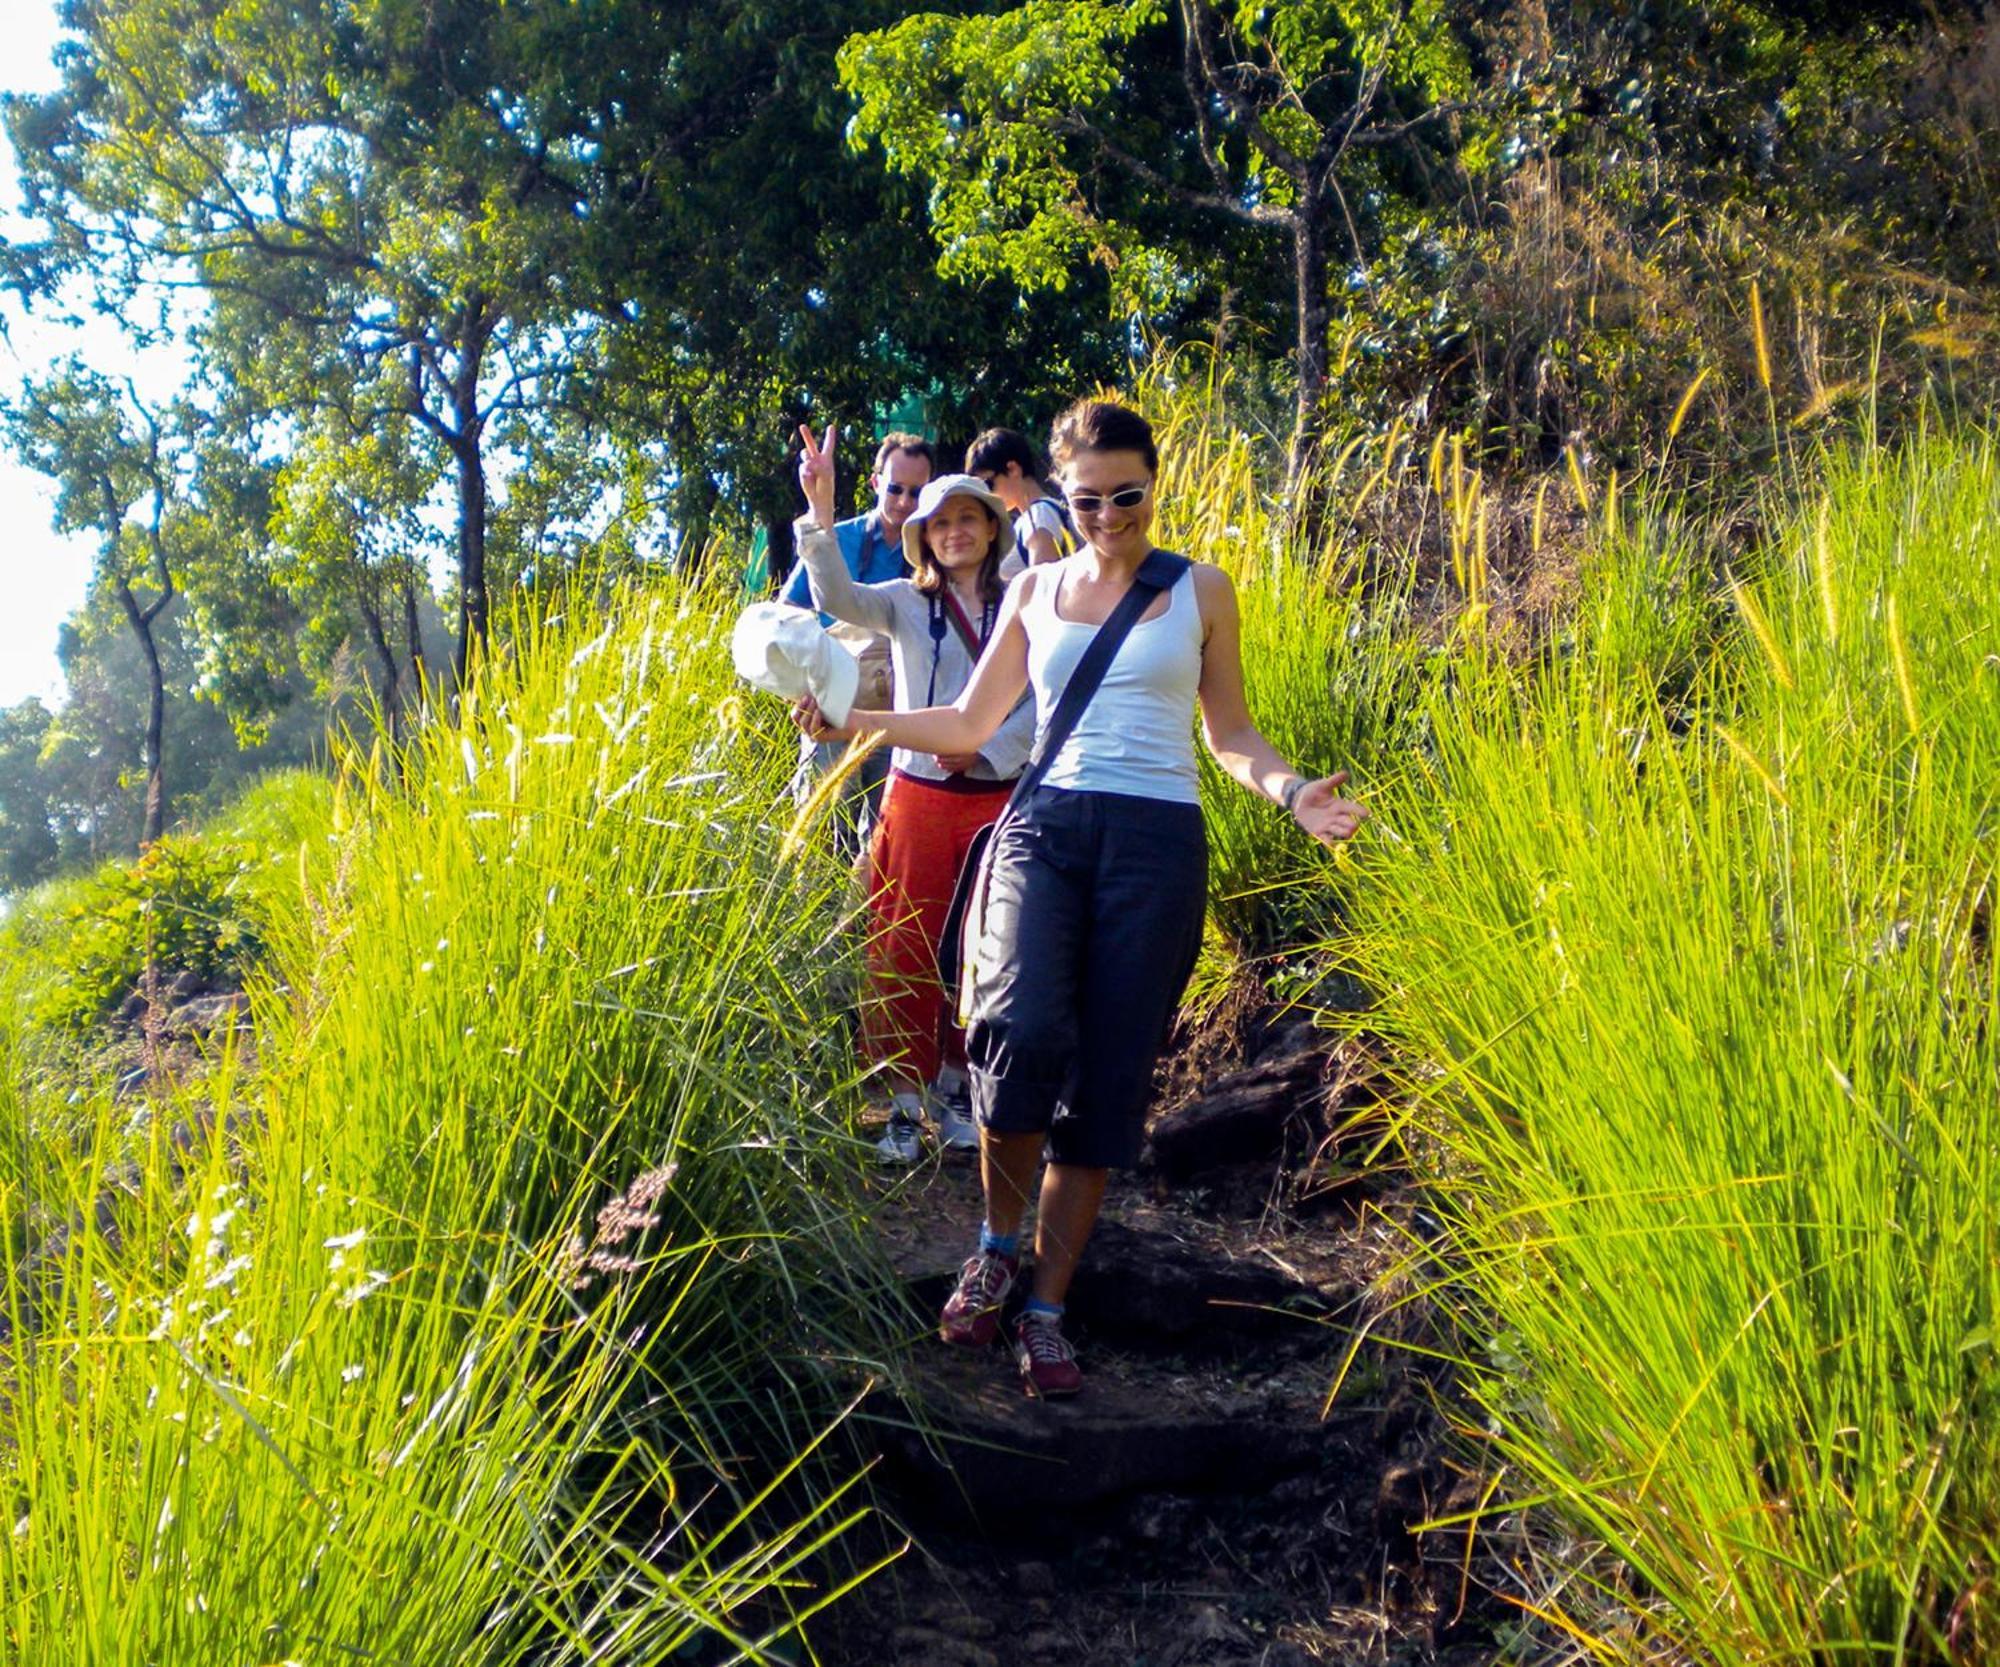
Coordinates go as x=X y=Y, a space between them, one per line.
x=179 y=909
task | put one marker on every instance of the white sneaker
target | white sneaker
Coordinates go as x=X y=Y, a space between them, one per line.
x=951 y=1110
x=903 y=1143
x=956 y=1131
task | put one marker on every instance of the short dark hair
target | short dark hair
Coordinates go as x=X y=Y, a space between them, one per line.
x=998 y=447
x=1099 y=425
x=915 y=444
x=928 y=579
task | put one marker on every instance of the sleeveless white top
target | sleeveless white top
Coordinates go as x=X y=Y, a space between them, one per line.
x=1137 y=734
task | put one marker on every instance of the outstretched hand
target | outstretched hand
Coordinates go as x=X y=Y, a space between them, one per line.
x=811 y=722
x=1324 y=814
x=816 y=471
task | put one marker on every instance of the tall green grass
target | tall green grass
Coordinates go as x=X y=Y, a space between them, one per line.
x=481 y=1321
x=1699 y=958
x=1332 y=664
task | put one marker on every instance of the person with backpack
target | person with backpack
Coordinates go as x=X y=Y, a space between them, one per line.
x=1095 y=879
x=1007 y=461
x=959 y=545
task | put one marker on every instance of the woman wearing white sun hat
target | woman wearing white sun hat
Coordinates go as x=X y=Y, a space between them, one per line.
x=959 y=542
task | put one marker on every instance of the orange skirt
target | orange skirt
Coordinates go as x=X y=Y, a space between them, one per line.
x=919 y=845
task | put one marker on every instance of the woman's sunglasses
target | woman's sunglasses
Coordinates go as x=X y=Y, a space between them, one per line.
x=1126 y=497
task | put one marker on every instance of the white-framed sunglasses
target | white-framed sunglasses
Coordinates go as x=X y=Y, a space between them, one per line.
x=1126 y=497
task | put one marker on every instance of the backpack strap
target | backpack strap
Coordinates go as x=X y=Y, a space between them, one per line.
x=1064 y=532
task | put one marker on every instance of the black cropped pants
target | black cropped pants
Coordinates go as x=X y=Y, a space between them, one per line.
x=1093 y=921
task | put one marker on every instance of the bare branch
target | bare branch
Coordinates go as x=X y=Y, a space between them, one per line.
x=1204 y=128
x=1198 y=21
x=418 y=406
x=1256 y=214
x=1402 y=130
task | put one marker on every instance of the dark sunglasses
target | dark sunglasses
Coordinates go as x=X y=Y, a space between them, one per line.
x=1126 y=497
x=896 y=489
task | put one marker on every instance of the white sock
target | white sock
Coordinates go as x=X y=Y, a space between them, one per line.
x=949 y=1082
x=906 y=1106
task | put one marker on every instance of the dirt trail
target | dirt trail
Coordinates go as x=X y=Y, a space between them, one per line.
x=1198 y=1505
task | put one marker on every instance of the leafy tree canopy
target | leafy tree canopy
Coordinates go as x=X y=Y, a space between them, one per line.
x=1123 y=133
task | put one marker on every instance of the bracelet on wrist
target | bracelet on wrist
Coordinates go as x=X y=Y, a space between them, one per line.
x=1289 y=796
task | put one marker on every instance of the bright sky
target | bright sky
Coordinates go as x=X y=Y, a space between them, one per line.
x=46 y=573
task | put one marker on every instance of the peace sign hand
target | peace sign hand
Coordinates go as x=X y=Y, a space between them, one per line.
x=816 y=472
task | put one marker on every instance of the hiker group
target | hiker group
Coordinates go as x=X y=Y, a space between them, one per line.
x=1033 y=845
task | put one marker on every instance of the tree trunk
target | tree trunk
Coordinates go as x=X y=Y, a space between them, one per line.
x=467 y=446
x=413 y=637
x=780 y=551
x=154 y=821
x=378 y=637
x=700 y=524
x=472 y=622
x=1309 y=260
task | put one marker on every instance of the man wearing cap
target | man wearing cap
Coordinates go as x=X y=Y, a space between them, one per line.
x=871 y=546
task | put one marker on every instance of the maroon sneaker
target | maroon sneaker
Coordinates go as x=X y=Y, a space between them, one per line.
x=971 y=1316
x=1048 y=1364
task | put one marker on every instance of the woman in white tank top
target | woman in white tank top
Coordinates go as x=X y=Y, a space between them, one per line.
x=1098 y=879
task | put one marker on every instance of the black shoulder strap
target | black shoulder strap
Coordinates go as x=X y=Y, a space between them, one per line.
x=1157 y=573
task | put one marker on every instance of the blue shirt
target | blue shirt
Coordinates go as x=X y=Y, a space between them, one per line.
x=870 y=557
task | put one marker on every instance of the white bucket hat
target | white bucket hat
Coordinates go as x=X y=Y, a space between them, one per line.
x=783 y=651
x=956 y=486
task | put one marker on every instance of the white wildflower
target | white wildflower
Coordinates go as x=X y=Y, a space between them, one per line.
x=367 y=1287
x=226 y=1274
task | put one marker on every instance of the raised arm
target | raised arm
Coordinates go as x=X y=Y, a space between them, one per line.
x=833 y=588
x=969 y=722
x=1234 y=738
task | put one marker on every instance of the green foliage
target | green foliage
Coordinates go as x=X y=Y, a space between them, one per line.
x=1013 y=117
x=1705 y=998
x=529 y=1258
x=178 y=909
x=1168 y=145
x=31 y=829
x=449 y=250
x=1618 y=190
x=978 y=106
x=71 y=780
x=349 y=543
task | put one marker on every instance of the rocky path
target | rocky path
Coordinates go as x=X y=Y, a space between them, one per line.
x=1200 y=1505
